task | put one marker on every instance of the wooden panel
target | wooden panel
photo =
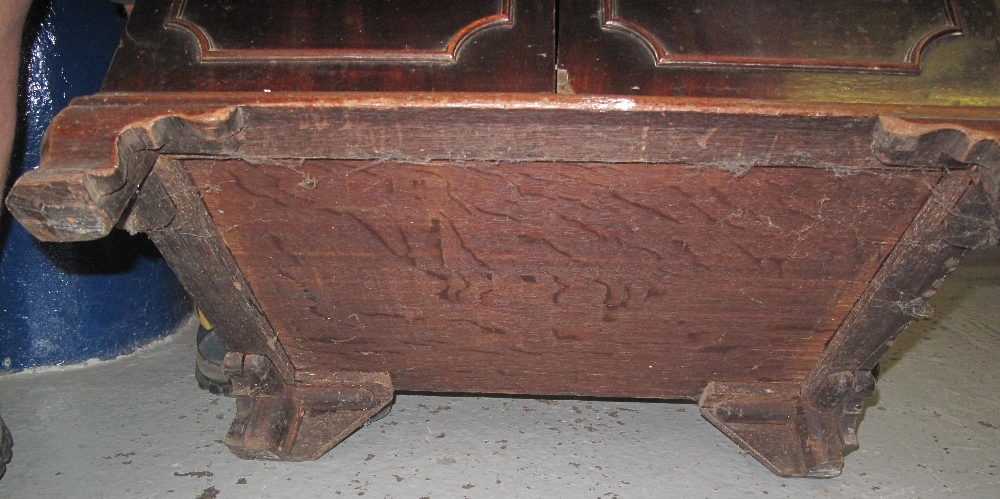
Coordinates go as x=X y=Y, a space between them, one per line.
x=352 y=45
x=861 y=35
x=917 y=52
x=522 y=277
x=366 y=30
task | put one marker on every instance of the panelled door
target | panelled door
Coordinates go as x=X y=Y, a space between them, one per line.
x=919 y=51
x=337 y=45
x=903 y=52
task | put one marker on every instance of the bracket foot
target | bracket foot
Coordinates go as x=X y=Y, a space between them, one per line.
x=298 y=421
x=788 y=434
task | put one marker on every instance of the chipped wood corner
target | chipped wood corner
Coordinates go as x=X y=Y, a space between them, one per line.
x=97 y=172
x=936 y=143
x=946 y=144
x=93 y=162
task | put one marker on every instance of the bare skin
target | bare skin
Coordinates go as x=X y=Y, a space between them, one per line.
x=12 y=15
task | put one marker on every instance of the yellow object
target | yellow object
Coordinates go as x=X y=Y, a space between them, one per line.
x=204 y=321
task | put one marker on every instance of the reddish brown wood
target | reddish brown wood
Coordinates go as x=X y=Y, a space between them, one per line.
x=100 y=158
x=107 y=143
x=170 y=212
x=783 y=430
x=805 y=430
x=565 y=245
x=961 y=215
x=656 y=273
x=937 y=143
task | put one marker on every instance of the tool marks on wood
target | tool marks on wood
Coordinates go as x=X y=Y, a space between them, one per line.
x=498 y=259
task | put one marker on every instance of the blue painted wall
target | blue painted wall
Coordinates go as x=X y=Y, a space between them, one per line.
x=64 y=303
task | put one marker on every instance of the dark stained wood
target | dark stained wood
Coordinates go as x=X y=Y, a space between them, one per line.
x=518 y=127
x=171 y=213
x=344 y=30
x=942 y=51
x=594 y=129
x=346 y=45
x=863 y=35
x=99 y=159
x=221 y=127
x=83 y=191
x=805 y=430
x=937 y=143
x=781 y=429
x=962 y=215
x=656 y=273
x=299 y=420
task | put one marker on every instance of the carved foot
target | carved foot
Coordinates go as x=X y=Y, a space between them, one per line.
x=299 y=421
x=787 y=434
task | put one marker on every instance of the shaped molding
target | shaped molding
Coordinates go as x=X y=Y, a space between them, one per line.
x=827 y=36
x=425 y=50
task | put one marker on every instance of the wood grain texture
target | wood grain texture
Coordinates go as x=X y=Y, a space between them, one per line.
x=937 y=143
x=757 y=233
x=170 y=211
x=301 y=420
x=99 y=150
x=771 y=422
x=469 y=46
x=731 y=141
x=515 y=127
x=955 y=221
x=579 y=279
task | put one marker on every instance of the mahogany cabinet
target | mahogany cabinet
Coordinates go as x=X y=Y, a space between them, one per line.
x=736 y=202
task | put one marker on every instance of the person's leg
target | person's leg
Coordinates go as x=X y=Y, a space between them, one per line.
x=12 y=15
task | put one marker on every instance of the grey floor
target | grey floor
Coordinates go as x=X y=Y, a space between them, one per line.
x=139 y=427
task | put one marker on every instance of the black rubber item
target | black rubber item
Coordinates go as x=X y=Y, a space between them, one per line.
x=6 y=444
x=208 y=364
x=381 y=414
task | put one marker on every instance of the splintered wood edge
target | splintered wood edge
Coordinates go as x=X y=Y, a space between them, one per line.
x=89 y=173
x=926 y=142
x=943 y=143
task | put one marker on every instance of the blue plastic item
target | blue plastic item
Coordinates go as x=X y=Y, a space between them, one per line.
x=65 y=303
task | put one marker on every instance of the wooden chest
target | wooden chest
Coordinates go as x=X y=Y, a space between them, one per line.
x=739 y=203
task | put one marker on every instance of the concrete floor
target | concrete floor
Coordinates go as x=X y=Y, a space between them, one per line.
x=139 y=427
